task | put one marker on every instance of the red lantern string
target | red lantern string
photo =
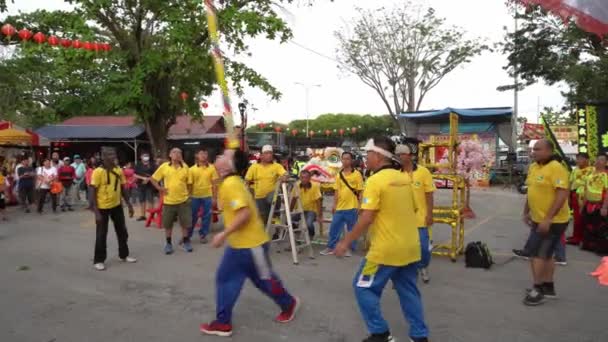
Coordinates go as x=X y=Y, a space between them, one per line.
x=25 y=34
x=183 y=96
x=87 y=46
x=66 y=43
x=353 y=130
x=311 y=133
x=262 y=125
x=294 y=132
x=341 y=132
x=39 y=37
x=76 y=44
x=53 y=41
x=205 y=105
x=8 y=30
x=327 y=132
x=277 y=129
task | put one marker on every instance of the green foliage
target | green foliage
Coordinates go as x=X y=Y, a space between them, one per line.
x=557 y=118
x=545 y=48
x=367 y=125
x=403 y=53
x=160 y=49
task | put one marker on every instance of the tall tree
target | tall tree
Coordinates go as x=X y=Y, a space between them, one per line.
x=549 y=48
x=403 y=53
x=161 y=50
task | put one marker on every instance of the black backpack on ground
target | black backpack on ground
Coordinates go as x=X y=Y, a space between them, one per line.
x=477 y=255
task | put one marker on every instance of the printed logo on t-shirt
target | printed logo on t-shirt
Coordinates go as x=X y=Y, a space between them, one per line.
x=540 y=178
x=417 y=184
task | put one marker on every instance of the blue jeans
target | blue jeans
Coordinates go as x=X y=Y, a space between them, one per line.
x=264 y=205
x=559 y=250
x=310 y=217
x=368 y=291
x=236 y=266
x=341 y=218
x=206 y=203
x=425 y=247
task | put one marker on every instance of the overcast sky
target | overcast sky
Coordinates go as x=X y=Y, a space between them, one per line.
x=471 y=86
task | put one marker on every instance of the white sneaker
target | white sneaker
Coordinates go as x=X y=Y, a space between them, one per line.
x=129 y=260
x=327 y=251
x=424 y=274
x=100 y=266
x=348 y=254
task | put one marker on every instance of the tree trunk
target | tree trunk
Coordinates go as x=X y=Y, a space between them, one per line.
x=411 y=94
x=157 y=133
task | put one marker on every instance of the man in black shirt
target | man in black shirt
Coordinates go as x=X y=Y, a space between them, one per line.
x=143 y=172
x=26 y=184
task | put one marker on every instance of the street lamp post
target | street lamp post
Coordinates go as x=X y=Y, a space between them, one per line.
x=242 y=110
x=307 y=99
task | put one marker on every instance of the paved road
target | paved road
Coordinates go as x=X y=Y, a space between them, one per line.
x=61 y=298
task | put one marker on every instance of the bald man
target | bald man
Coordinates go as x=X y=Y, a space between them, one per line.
x=546 y=212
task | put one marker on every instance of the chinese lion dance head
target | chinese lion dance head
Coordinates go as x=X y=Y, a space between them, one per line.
x=324 y=165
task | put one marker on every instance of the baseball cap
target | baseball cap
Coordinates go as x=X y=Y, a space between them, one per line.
x=66 y=158
x=266 y=148
x=402 y=149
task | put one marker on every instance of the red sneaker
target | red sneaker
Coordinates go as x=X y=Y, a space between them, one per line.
x=290 y=314
x=216 y=328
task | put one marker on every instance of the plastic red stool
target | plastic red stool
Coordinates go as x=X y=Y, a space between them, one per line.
x=156 y=215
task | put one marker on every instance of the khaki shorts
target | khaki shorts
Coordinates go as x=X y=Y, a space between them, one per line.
x=181 y=212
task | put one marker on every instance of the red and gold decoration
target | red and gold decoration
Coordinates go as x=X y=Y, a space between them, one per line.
x=26 y=35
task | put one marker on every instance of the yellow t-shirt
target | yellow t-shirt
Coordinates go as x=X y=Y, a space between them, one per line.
x=543 y=181
x=578 y=176
x=202 y=180
x=176 y=181
x=2 y=183
x=422 y=183
x=394 y=234
x=232 y=196
x=264 y=178
x=109 y=187
x=346 y=198
x=310 y=196
x=595 y=185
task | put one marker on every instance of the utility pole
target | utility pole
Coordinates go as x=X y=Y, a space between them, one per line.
x=307 y=99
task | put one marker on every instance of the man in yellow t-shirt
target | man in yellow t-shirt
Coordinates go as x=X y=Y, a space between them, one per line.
x=595 y=208
x=105 y=201
x=577 y=189
x=311 y=197
x=546 y=211
x=423 y=186
x=204 y=177
x=177 y=181
x=264 y=177
x=387 y=207
x=349 y=184
x=247 y=254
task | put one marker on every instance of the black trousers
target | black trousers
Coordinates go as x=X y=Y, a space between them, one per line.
x=118 y=217
x=42 y=198
x=26 y=195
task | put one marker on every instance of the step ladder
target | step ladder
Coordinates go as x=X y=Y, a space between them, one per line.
x=284 y=227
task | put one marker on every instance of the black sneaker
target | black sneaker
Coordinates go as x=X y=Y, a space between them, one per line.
x=419 y=339
x=141 y=218
x=549 y=291
x=386 y=337
x=520 y=253
x=534 y=297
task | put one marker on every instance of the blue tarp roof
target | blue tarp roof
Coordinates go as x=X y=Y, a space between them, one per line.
x=469 y=112
x=59 y=132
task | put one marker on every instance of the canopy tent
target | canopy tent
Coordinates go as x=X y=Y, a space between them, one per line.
x=479 y=119
x=11 y=136
x=37 y=140
x=589 y=15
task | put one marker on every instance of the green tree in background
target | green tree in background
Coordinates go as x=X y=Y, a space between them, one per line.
x=558 y=118
x=547 y=48
x=161 y=50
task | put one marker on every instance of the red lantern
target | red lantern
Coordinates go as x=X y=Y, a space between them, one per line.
x=341 y=132
x=107 y=47
x=277 y=129
x=353 y=130
x=311 y=133
x=39 y=37
x=25 y=34
x=205 y=105
x=327 y=132
x=76 y=44
x=262 y=125
x=53 y=40
x=8 y=30
x=294 y=132
x=97 y=47
x=66 y=43
x=88 y=46
x=183 y=96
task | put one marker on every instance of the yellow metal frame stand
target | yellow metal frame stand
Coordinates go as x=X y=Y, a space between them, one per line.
x=450 y=215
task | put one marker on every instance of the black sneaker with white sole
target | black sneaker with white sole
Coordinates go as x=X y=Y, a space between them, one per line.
x=385 y=337
x=520 y=253
x=419 y=339
x=534 y=297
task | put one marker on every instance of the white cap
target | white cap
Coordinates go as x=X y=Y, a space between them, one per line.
x=371 y=146
x=402 y=149
x=266 y=148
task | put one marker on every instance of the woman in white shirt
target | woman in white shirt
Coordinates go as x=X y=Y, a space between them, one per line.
x=46 y=175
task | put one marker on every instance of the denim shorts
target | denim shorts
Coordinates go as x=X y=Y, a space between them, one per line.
x=543 y=245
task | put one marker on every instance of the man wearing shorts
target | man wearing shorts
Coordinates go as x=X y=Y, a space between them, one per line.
x=546 y=212
x=177 y=180
x=143 y=172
